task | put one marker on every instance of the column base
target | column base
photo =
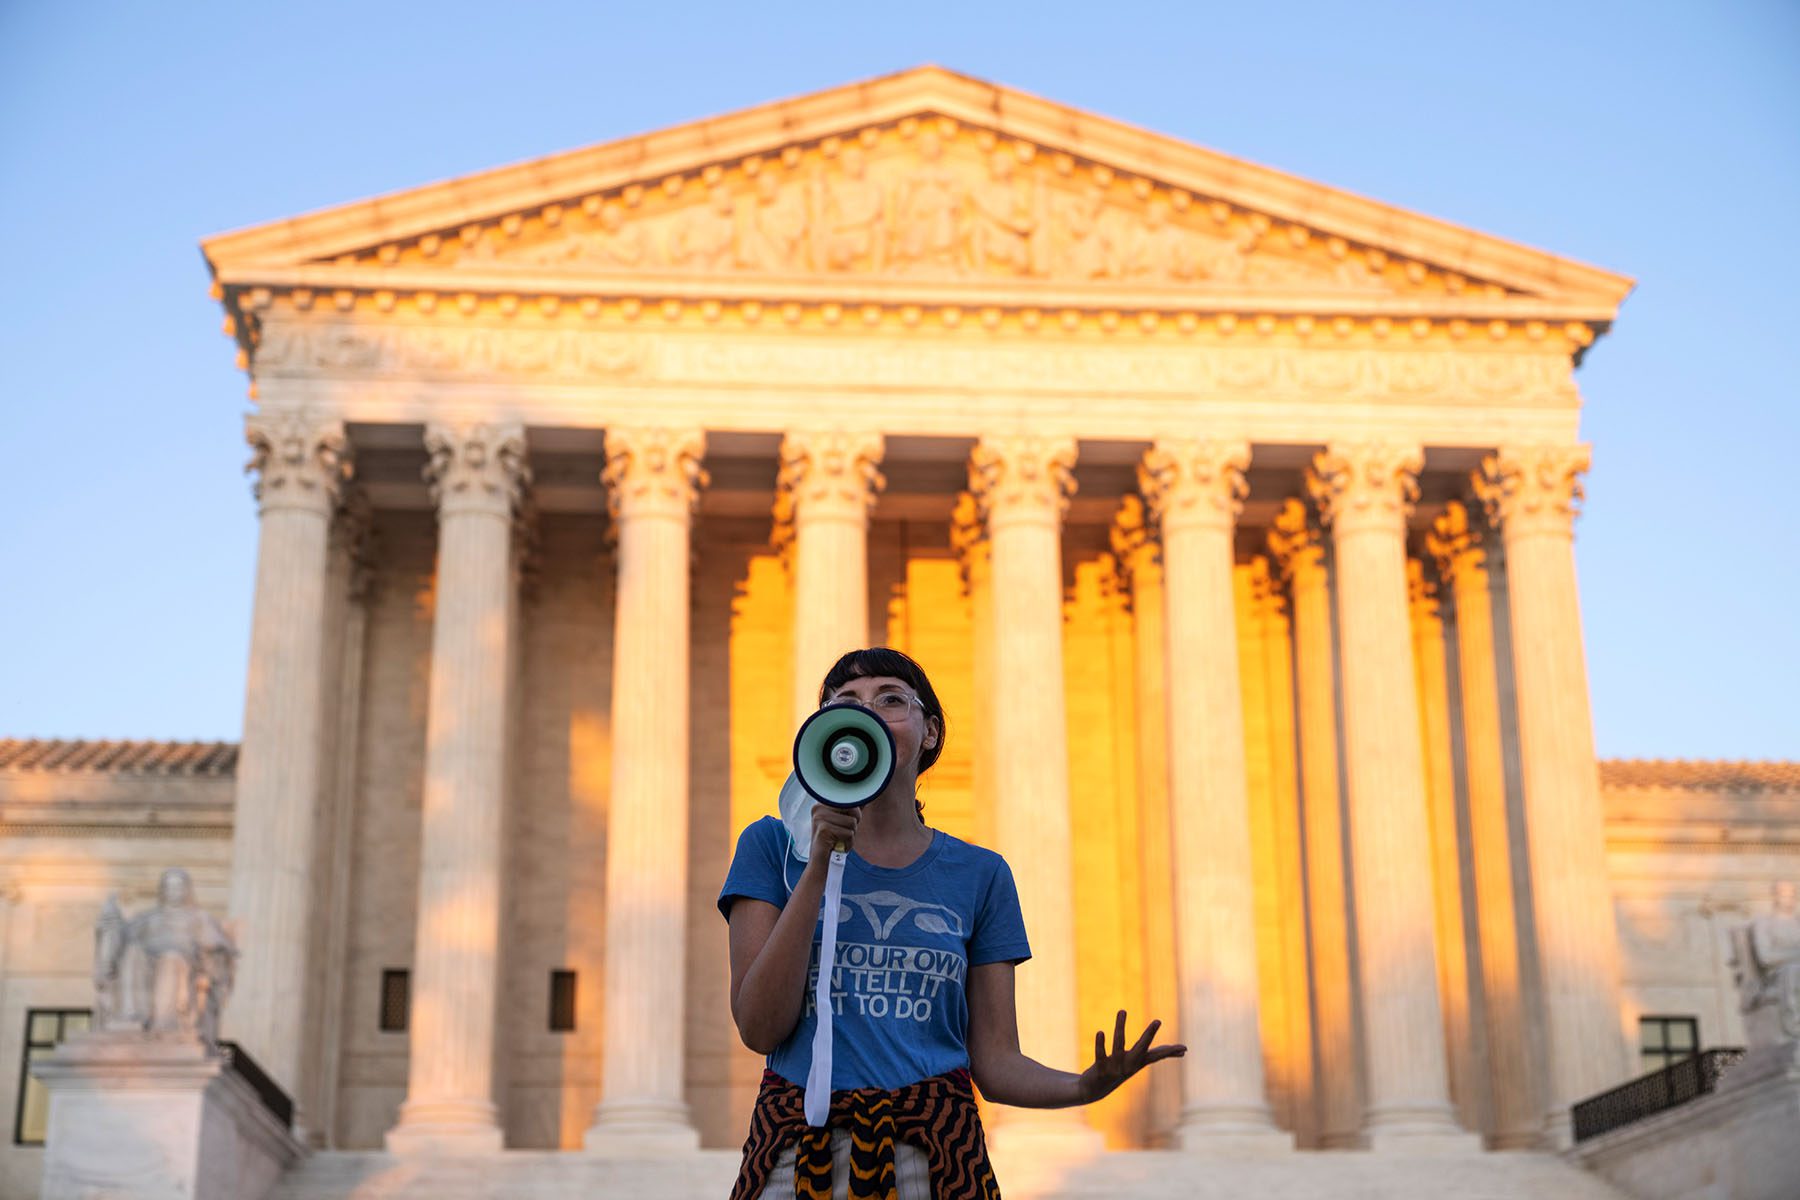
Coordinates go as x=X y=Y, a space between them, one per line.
x=1234 y=1132
x=1342 y=1141
x=446 y=1127
x=1559 y=1129
x=1044 y=1134
x=641 y=1129
x=1419 y=1131
x=1036 y=1150
x=1516 y=1141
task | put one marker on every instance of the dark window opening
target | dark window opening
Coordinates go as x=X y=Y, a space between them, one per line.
x=44 y=1028
x=396 y=1000
x=1665 y=1041
x=562 y=1002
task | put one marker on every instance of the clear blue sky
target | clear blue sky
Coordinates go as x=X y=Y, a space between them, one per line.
x=1661 y=140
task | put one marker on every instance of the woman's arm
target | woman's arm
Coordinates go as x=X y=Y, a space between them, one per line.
x=770 y=946
x=1006 y=1076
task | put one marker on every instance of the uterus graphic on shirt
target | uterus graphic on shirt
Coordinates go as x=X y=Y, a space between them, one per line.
x=912 y=948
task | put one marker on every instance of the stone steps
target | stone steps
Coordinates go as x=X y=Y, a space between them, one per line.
x=1146 y=1175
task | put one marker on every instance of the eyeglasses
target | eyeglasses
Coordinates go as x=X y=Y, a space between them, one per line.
x=889 y=706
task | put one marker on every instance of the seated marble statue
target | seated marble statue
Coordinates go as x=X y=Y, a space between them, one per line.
x=1766 y=962
x=167 y=971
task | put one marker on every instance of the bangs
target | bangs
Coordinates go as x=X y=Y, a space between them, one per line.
x=880 y=661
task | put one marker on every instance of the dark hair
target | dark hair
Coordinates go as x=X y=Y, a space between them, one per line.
x=877 y=661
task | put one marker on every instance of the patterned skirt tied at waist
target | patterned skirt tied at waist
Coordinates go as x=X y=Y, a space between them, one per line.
x=938 y=1115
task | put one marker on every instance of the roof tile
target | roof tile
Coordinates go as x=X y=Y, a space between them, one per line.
x=1711 y=774
x=118 y=757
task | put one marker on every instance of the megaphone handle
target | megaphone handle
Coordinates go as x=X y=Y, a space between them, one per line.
x=841 y=848
x=816 y=1100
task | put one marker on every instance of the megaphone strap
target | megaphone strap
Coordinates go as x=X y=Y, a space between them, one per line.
x=818 y=1075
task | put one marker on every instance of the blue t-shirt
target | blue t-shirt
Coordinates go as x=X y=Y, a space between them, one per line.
x=906 y=940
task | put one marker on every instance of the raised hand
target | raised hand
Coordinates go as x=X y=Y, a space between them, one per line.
x=1112 y=1069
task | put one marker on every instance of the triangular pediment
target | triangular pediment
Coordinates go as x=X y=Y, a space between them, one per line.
x=925 y=182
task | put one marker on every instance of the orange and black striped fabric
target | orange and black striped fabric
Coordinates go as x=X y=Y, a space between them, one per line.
x=938 y=1115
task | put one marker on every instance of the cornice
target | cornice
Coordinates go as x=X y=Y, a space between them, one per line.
x=252 y=288
x=116 y=819
x=700 y=304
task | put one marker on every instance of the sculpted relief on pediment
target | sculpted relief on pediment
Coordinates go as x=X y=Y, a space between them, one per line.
x=927 y=200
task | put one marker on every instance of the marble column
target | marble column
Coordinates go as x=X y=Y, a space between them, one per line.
x=1431 y=669
x=1269 y=642
x=824 y=496
x=477 y=474
x=1460 y=544
x=1297 y=546
x=1365 y=493
x=1531 y=494
x=1195 y=490
x=653 y=478
x=1022 y=484
x=968 y=539
x=302 y=463
x=356 y=556
x=1139 y=554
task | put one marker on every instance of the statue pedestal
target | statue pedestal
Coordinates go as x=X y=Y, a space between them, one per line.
x=156 y=1118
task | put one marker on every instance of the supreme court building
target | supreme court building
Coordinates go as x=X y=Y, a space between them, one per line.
x=1232 y=516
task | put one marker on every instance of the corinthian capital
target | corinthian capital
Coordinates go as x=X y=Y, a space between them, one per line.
x=1022 y=478
x=968 y=538
x=1296 y=543
x=835 y=476
x=1532 y=489
x=1370 y=485
x=653 y=472
x=1421 y=590
x=1458 y=541
x=476 y=467
x=1267 y=599
x=1135 y=547
x=1133 y=541
x=353 y=533
x=1191 y=481
x=299 y=461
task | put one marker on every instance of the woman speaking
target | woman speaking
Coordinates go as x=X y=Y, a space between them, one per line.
x=921 y=987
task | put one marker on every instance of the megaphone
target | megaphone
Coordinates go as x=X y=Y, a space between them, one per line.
x=844 y=757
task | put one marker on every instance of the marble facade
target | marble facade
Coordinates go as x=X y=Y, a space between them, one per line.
x=1231 y=514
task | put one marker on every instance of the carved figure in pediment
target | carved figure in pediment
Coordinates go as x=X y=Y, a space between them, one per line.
x=1765 y=961
x=614 y=244
x=776 y=238
x=165 y=971
x=617 y=243
x=1159 y=250
x=478 y=247
x=1227 y=261
x=1270 y=268
x=1087 y=236
x=850 y=210
x=929 y=212
x=1007 y=220
x=705 y=237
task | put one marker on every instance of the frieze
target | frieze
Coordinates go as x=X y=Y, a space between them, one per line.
x=937 y=202
x=495 y=354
